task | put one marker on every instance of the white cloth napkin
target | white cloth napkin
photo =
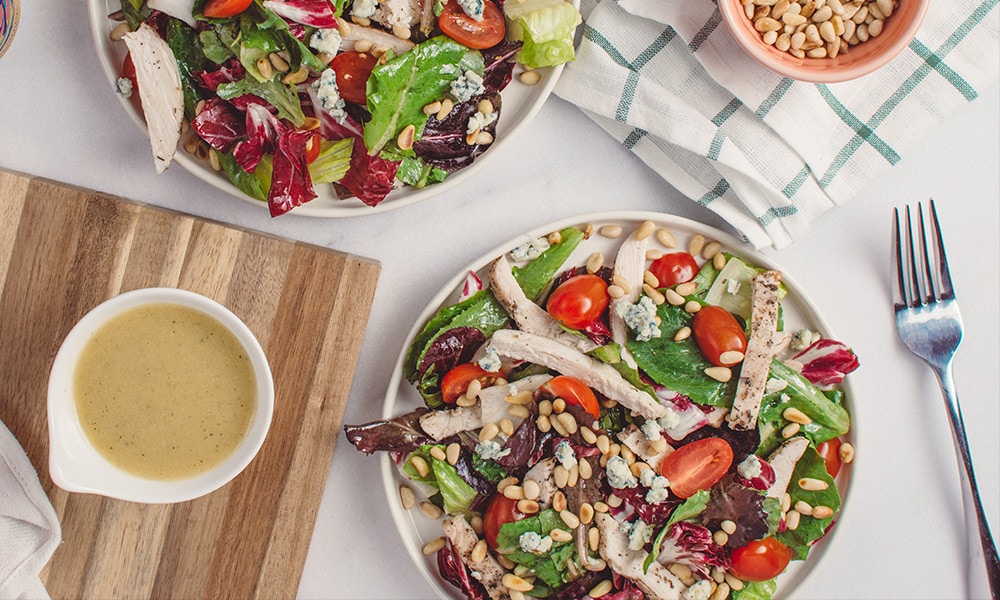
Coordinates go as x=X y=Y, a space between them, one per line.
x=29 y=528
x=768 y=154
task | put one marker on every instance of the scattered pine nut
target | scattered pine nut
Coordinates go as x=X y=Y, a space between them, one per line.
x=710 y=250
x=790 y=430
x=666 y=237
x=846 y=453
x=692 y=306
x=478 y=554
x=529 y=77
x=796 y=416
x=812 y=485
x=687 y=288
x=646 y=229
x=432 y=546
x=822 y=512
x=682 y=334
x=720 y=374
x=406 y=497
x=430 y=510
x=420 y=465
x=453 y=452
x=696 y=244
x=610 y=231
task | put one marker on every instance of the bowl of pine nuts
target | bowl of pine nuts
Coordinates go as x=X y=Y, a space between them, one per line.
x=823 y=41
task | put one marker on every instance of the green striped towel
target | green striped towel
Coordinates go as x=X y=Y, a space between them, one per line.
x=768 y=154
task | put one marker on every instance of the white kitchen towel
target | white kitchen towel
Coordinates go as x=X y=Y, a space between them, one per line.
x=29 y=527
x=768 y=154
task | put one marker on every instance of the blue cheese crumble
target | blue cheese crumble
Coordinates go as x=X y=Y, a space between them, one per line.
x=490 y=361
x=124 y=87
x=491 y=449
x=804 y=338
x=640 y=318
x=363 y=9
x=530 y=250
x=473 y=8
x=638 y=533
x=699 y=590
x=480 y=120
x=327 y=41
x=657 y=490
x=619 y=475
x=329 y=95
x=467 y=86
x=530 y=541
x=654 y=428
x=565 y=455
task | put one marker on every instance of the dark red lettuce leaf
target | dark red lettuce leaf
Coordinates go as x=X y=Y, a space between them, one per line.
x=369 y=178
x=229 y=72
x=262 y=128
x=454 y=346
x=745 y=507
x=651 y=514
x=400 y=434
x=314 y=13
x=499 y=64
x=291 y=184
x=219 y=124
x=523 y=443
x=443 y=144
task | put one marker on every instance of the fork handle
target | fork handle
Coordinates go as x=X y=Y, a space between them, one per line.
x=970 y=498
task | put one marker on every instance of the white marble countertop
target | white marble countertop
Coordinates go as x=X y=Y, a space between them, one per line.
x=901 y=535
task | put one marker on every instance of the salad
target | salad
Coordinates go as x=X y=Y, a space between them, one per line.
x=366 y=96
x=611 y=411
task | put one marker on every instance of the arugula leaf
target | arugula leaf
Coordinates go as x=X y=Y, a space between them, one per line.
x=679 y=365
x=536 y=275
x=399 y=89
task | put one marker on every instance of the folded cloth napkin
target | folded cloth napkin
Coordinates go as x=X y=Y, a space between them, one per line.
x=768 y=154
x=29 y=528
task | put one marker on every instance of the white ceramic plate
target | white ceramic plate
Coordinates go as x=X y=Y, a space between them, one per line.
x=401 y=397
x=520 y=104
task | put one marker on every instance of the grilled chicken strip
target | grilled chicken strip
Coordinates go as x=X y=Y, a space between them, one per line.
x=159 y=82
x=760 y=352
x=526 y=314
x=521 y=345
x=630 y=264
x=487 y=571
x=657 y=582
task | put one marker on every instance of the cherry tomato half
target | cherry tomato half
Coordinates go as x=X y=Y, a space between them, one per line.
x=716 y=332
x=760 y=560
x=220 y=9
x=469 y=32
x=573 y=391
x=456 y=381
x=313 y=147
x=830 y=451
x=353 y=70
x=579 y=301
x=676 y=267
x=500 y=511
x=697 y=466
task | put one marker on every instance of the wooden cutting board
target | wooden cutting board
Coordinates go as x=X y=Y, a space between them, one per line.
x=65 y=250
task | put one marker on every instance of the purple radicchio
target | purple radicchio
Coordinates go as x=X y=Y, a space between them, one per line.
x=691 y=544
x=453 y=569
x=314 y=13
x=291 y=184
x=826 y=362
x=219 y=124
x=690 y=415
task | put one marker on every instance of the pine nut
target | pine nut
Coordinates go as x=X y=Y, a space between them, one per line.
x=505 y=482
x=790 y=430
x=692 y=306
x=846 y=453
x=278 y=62
x=812 y=485
x=543 y=424
x=514 y=582
x=734 y=582
x=518 y=411
x=506 y=426
x=792 y=519
x=686 y=288
x=446 y=106
x=514 y=492
x=796 y=416
x=432 y=108
x=728 y=526
x=610 y=231
x=697 y=241
x=586 y=513
x=822 y=512
x=646 y=229
x=603 y=443
x=574 y=475
x=603 y=588
x=710 y=250
x=594 y=262
x=654 y=294
x=528 y=507
x=720 y=374
x=560 y=535
x=682 y=334
x=213 y=160
x=720 y=537
x=432 y=546
x=589 y=436
x=523 y=397
x=804 y=508
x=363 y=46
x=680 y=570
x=529 y=77
x=478 y=554
x=453 y=452
x=721 y=591
x=673 y=297
x=438 y=453
x=571 y=520
x=405 y=141
x=560 y=475
x=531 y=489
x=406 y=497
x=559 y=501
x=488 y=432
x=431 y=511
x=297 y=77
x=731 y=357
x=568 y=421
x=420 y=465
x=594 y=535
x=614 y=501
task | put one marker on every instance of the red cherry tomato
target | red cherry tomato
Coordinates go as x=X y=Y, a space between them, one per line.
x=697 y=466
x=716 y=332
x=469 y=32
x=128 y=72
x=830 y=451
x=220 y=9
x=456 y=381
x=500 y=511
x=760 y=560
x=579 y=301
x=353 y=70
x=313 y=146
x=676 y=267
x=573 y=391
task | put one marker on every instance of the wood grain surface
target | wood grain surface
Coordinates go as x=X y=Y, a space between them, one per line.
x=65 y=250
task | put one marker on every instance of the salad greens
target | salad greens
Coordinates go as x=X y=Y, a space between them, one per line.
x=280 y=77
x=601 y=457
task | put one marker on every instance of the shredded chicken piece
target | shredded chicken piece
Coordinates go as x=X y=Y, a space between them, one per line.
x=760 y=352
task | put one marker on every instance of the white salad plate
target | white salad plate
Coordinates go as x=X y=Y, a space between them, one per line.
x=520 y=104
x=401 y=397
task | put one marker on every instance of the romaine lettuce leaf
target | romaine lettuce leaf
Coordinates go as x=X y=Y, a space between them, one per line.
x=810 y=528
x=456 y=495
x=546 y=27
x=829 y=419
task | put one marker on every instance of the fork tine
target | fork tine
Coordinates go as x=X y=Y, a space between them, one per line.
x=947 y=292
x=899 y=290
x=930 y=288
x=916 y=297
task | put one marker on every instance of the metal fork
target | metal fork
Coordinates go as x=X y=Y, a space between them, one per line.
x=930 y=325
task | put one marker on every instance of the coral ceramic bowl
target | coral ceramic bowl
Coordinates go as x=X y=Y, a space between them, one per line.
x=893 y=34
x=75 y=463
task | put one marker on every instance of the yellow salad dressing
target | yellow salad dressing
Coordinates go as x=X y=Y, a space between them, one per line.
x=164 y=391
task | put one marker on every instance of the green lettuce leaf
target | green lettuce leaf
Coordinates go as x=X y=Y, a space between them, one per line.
x=829 y=419
x=546 y=27
x=456 y=495
x=333 y=161
x=549 y=566
x=810 y=528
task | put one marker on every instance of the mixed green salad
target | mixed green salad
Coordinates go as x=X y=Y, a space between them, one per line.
x=607 y=415
x=363 y=95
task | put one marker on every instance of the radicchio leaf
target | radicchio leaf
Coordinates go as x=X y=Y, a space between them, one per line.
x=228 y=73
x=291 y=184
x=453 y=570
x=370 y=178
x=442 y=143
x=219 y=124
x=261 y=129
x=314 y=13
x=399 y=434
x=454 y=346
x=691 y=544
x=499 y=64
x=826 y=362
x=651 y=514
